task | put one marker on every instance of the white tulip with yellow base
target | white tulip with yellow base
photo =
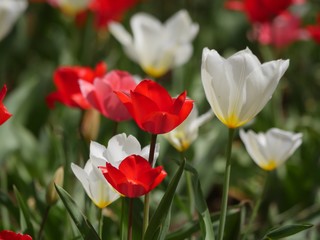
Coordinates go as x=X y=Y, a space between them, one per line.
x=71 y=7
x=187 y=132
x=238 y=87
x=271 y=149
x=95 y=185
x=157 y=47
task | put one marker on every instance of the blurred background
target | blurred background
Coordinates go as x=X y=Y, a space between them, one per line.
x=37 y=140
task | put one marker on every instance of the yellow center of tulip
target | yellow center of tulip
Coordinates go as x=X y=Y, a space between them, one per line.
x=184 y=144
x=71 y=10
x=101 y=204
x=154 y=72
x=272 y=164
x=232 y=121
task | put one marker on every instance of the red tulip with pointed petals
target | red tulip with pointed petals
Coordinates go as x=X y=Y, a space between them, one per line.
x=109 y=10
x=153 y=109
x=9 y=235
x=100 y=94
x=259 y=10
x=135 y=176
x=4 y=114
x=68 y=91
x=314 y=30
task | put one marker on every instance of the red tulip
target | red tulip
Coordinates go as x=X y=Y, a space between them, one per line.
x=108 y=10
x=281 y=32
x=68 y=91
x=9 y=235
x=4 y=114
x=153 y=109
x=259 y=10
x=100 y=94
x=135 y=176
x=314 y=30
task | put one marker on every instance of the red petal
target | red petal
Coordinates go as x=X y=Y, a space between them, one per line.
x=100 y=69
x=160 y=122
x=155 y=92
x=3 y=92
x=9 y=235
x=4 y=114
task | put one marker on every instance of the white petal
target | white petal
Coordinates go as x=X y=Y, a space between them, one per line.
x=97 y=153
x=82 y=177
x=216 y=82
x=10 y=10
x=119 y=147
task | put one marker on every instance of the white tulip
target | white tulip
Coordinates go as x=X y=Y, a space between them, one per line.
x=10 y=11
x=271 y=149
x=182 y=136
x=71 y=7
x=237 y=88
x=94 y=183
x=157 y=47
x=119 y=147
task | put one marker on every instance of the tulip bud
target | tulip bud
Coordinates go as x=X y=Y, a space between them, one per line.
x=90 y=124
x=51 y=194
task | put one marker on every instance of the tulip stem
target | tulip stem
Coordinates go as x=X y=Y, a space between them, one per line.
x=44 y=220
x=226 y=181
x=130 y=219
x=147 y=197
x=256 y=208
x=100 y=217
x=189 y=189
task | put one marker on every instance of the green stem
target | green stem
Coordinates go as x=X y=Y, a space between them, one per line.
x=147 y=197
x=124 y=220
x=115 y=128
x=43 y=223
x=256 y=208
x=100 y=217
x=226 y=182
x=189 y=190
x=130 y=219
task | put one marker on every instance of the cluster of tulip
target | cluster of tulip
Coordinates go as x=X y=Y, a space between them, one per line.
x=237 y=88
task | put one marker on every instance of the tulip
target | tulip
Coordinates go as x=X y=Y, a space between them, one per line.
x=71 y=7
x=51 y=193
x=187 y=132
x=119 y=147
x=314 y=30
x=9 y=235
x=259 y=10
x=10 y=11
x=67 y=81
x=107 y=10
x=271 y=149
x=284 y=30
x=135 y=176
x=153 y=109
x=154 y=46
x=237 y=88
x=4 y=114
x=97 y=188
x=100 y=94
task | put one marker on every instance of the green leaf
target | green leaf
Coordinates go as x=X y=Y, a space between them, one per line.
x=192 y=227
x=201 y=205
x=166 y=225
x=86 y=229
x=157 y=223
x=25 y=216
x=285 y=231
x=8 y=204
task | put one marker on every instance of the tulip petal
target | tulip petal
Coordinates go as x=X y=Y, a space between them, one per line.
x=124 y=145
